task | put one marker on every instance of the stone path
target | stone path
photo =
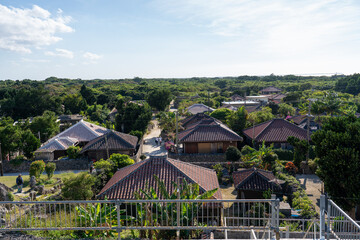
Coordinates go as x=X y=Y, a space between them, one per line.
x=312 y=185
x=150 y=147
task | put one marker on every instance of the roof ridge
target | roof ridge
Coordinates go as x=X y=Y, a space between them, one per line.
x=263 y=123
x=169 y=161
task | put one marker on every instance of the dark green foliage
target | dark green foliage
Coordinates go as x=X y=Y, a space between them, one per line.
x=74 y=103
x=120 y=161
x=73 y=152
x=349 y=84
x=237 y=120
x=337 y=146
x=98 y=113
x=233 y=154
x=284 y=154
x=222 y=114
x=88 y=95
x=50 y=169
x=78 y=187
x=159 y=99
x=46 y=125
x=29 y=143
x=37 y=168
x=132 y=116
x=137 y=133
x=300 y=149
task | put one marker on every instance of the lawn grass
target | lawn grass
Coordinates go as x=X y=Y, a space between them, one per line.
x=10 y=181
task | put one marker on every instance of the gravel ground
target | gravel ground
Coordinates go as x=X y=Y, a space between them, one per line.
x=312 y=185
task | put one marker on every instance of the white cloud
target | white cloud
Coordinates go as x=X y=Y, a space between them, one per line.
x=61 y=53
x=92 y=56
x=276 y=26
x=24 y=29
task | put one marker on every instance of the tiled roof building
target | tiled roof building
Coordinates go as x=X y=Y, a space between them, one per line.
x=199 y=108
x=109 y=143
x=208 y=136
x=274 y=131
x=271 y=90
x=251 y=183
x=140 y=175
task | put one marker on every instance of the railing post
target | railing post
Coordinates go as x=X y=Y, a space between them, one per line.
x=322 y=216
x=118 y=229
x=275 y=234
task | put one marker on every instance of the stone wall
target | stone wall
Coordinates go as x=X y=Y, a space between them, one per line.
x=61 y=165
x=199 y=157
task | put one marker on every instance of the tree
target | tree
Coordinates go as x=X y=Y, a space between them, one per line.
x=237 y=120
x=301 y=147
x=46 y=125
x=50 y=169
x=37 y=168
x=260 y=116
x=222 y=114
x=132 y=116
x=120 y=161
x=78 y=187
x=286 y=110
x=167 y=121
x=74 y=103
x=88 y=95
x=29 y=143
x=159 y=99
x=10 y=136
x=262 y=158
x=233 y=154
x=337 y=146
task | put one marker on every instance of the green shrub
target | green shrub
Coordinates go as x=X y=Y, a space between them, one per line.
x=78 y=187
x=73 y=152
x=218 y=168
x=50 y=169
x=10 y=196
x=37 y=168
x=136 y=133
x=120 y=161
x=143 y=157
x=284 y=154
x=313 y=164
x=103 y=165
x=233 y=154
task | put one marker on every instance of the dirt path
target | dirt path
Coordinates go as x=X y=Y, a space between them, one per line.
x=150 y=147
x=312 y=185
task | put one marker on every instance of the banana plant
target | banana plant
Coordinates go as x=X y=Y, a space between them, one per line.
x=157 y=214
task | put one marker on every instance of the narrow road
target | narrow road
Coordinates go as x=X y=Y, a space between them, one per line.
x=312 y=185
x=150 y=147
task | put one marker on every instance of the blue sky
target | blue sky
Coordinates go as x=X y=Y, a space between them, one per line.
x=184 y=38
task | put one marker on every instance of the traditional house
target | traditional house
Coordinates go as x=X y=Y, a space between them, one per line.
x=55 y=148
x=275 y=131
x=109 y=143
x=237 y=97
x=199 y=108
x=194 y=119
x=208 y=136
x=79 y=134
x=141 y=175
x=252 y=183
x=302 y=122
x=68 y=120
x=277 y=98
x=270 y=90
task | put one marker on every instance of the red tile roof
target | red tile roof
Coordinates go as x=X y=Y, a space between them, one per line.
x=112 y=140
x=275 y=130
x=271 y=89
x=141 y=175
x=256 y=180
x=194 y=119
x=298 y=119
x=208 y=130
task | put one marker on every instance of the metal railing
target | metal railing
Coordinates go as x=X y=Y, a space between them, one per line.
x=147 y=216
x=335 y=223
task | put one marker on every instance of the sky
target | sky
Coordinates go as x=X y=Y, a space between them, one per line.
x=114 y=39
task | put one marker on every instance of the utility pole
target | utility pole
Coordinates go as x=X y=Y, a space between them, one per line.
x=177 y=130
x=1 y=160
x=308 y=131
